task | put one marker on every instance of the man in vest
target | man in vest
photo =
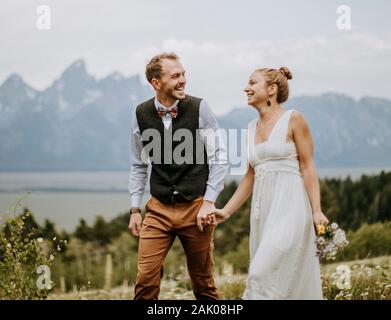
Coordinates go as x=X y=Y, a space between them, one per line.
x=169 y=132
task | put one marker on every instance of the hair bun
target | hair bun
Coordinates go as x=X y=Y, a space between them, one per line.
x=286 y=72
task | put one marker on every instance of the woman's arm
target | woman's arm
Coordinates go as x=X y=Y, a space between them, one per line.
x=241 y=194
x=304 y=146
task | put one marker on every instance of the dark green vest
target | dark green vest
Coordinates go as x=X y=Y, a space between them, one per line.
x=188 y=178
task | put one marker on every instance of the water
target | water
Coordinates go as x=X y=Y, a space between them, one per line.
x=66 y=197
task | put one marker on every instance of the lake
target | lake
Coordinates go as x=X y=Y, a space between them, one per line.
x=66 y=197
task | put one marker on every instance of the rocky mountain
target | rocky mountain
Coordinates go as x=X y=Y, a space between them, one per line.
x=78 y=123
x=346 y=132
x=83 y=123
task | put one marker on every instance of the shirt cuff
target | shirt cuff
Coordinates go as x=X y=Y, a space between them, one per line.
x=135 y=201
x=210 y=194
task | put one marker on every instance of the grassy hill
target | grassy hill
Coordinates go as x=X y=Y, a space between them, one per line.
x=370 y=279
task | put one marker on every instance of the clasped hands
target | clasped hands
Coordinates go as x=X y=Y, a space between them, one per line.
x=210 y=215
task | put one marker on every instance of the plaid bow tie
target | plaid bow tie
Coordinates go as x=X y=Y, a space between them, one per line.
x=162 y=112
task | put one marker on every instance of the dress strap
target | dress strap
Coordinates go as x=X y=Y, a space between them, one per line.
x=282 y=130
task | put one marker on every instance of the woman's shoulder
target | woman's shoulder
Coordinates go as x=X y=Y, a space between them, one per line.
x=297 y=119
x=293 y=114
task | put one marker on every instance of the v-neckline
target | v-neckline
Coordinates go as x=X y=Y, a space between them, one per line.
x=271 y=131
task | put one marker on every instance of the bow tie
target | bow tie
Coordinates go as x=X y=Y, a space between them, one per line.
x=162 y=111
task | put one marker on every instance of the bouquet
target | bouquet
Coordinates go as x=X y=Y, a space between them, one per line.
x=330 y=240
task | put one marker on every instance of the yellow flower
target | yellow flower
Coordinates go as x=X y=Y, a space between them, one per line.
x=321 y=229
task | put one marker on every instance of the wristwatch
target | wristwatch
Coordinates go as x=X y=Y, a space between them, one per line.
x=134 y=210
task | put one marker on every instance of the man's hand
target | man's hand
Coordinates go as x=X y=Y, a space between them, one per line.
x=135 y=223
x=205 y=215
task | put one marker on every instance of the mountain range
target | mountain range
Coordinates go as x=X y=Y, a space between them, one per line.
x=83 y=123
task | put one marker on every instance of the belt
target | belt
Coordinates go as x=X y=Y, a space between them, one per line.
x=177 y=198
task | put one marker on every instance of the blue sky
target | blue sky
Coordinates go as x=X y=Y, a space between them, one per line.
x=220 y=43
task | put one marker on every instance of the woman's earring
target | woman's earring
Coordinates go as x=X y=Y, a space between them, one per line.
x=269 y=103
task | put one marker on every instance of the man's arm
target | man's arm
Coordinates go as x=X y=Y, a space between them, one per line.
x=138 y=175
x=216 y=151
x=217 y=159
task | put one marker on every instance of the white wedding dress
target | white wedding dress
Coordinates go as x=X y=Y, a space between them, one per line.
x=283 y=262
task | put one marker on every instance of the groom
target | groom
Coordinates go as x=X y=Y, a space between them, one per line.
x=185 y=179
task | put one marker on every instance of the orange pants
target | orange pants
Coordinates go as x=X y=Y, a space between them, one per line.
x=162 y=223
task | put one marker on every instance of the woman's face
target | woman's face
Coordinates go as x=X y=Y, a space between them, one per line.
x=256 y=89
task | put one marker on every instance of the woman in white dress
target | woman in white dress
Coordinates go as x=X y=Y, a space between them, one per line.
x=285 y=195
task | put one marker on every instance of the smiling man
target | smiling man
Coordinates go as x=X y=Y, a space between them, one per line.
x=183 y=193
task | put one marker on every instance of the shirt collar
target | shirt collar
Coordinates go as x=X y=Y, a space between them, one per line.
x=160 y=105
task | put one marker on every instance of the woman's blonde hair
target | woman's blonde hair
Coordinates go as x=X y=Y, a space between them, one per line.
x=279 y=77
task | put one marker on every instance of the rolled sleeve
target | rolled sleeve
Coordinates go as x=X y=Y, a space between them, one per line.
x=138 y=170
x=216 y=151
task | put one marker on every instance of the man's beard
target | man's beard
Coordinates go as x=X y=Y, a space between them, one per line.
x=172 y=94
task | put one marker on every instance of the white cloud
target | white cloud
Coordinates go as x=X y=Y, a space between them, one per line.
x=219 y=53
x=356 y=64
x=220 y=43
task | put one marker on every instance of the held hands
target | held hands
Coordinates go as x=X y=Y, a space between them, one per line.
x=213 y=217
x=205 y=215
x=221 y=215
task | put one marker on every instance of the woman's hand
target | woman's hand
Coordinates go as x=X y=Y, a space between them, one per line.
x=221 y=215
x=320 y=220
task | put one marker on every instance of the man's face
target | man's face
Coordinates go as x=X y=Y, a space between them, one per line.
x=172 y=80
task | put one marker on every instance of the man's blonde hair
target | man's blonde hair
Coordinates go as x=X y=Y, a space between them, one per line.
x=154 y=66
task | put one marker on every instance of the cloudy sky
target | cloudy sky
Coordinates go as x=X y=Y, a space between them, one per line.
x=220 y=43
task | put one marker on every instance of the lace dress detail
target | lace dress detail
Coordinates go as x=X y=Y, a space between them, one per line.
x=283 y=262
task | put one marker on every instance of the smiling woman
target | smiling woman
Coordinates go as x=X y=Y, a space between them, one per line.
x=285 y=195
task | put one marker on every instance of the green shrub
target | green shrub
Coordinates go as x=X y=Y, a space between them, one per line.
x=368 y=241
x=238 y=258
x=21 y=255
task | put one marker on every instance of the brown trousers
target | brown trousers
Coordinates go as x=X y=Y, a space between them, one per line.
x=162 y=223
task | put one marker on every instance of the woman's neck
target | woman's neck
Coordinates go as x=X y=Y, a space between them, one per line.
x=268 y=112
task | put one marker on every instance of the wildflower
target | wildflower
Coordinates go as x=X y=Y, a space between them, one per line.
x=321 y=240
x=331 y=242
x=339 y=236
x=321 y=229
x=40 y=240
x=51 y=258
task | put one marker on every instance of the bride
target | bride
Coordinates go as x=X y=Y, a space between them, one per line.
x=285 y=195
